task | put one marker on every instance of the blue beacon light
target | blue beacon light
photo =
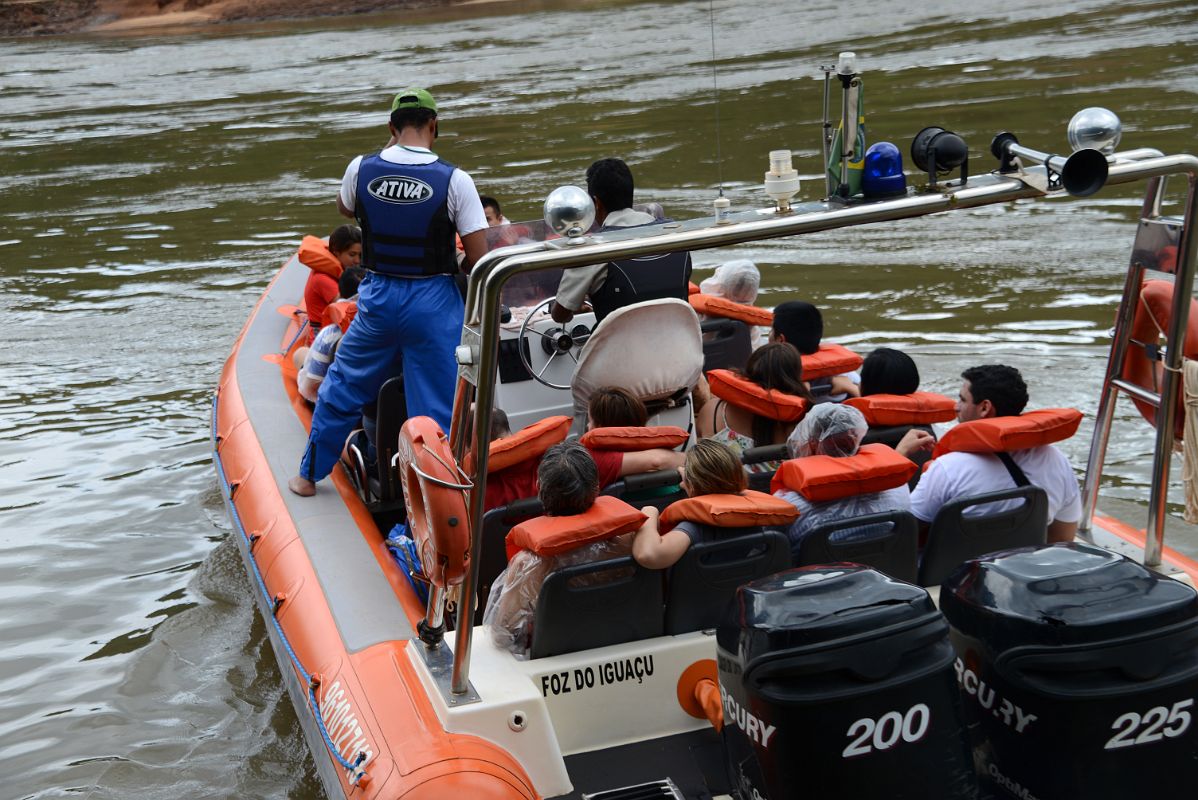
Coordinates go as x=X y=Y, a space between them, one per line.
x=883 y=176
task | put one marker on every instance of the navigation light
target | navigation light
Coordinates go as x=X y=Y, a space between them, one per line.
x=883 y=171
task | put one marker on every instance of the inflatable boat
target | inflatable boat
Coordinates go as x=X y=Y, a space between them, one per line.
x=828 y=680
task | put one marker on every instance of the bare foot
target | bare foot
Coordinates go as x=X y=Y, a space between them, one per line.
x=302 y=486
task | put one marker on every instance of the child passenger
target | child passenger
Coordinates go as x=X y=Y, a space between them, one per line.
x=327 y=262
x=710 y=468
x=802 y=325
x=317 y=358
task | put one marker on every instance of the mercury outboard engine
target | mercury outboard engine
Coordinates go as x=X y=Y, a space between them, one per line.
x=837 y=682
x=1079 y=670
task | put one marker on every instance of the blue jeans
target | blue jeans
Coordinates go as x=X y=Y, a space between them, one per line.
x=418 y=321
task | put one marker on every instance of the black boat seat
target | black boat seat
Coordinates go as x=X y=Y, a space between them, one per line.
x=390 y=415
x=891 y=435
x=891 y=545
x=492 y=558
x=760 y=481
x=954 y=538
x=704 y=581
x=727 y=344
x=658 y=489
x=595 y=605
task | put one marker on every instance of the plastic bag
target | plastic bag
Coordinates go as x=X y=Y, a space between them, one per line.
x=737 y=281
x=829 y=429
x=403 y=549
x=512 y=606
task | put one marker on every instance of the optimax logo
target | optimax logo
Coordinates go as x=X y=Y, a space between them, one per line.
x=398 y=189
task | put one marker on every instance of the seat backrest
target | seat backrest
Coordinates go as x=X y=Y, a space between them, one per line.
x=727 y=344
x=888 y=542
x=658 y=489
x=493 y=556
x=759 y=480
x=595 y=605
x=954 y=538
x=652 y=349
x=391 y=413
x=705 y=579
x=890 y=435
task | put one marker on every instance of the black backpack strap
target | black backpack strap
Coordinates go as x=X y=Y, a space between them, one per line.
x=1013 y=468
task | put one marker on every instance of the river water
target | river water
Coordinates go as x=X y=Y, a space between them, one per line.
x=151 y=185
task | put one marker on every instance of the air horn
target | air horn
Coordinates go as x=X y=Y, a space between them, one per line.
x=1081 y=174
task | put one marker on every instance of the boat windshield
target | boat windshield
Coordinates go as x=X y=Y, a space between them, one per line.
x=530 y=288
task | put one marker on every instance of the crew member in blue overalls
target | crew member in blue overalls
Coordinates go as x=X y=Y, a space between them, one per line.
x=409 y=203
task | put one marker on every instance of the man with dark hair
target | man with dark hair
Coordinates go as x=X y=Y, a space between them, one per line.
x=495 y=216
x=409 y=204
x=801 y=324
x=619 y=283
x=996 y=390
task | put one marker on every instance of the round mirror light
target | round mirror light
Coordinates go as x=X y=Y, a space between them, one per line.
x=569 y=211
x=1096 y=128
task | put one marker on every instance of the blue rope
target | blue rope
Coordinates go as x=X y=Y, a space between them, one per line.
x=354 y=768
x=403 y=550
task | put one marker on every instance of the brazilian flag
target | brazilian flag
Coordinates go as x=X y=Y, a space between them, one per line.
x=856 y=133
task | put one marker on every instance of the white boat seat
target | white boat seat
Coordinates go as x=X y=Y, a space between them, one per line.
x=653 y=349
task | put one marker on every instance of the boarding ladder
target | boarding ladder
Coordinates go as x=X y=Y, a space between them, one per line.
x=1156 y=232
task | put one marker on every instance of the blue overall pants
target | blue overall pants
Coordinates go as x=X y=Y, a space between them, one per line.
x=416 y=320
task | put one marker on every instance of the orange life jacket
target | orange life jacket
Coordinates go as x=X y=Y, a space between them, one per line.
x=1003 y=434
x=749 y=509
x=691 y=288
x=714 y=306
x=829 y=360
x=743 y=393
x=875 y=468
x=527 y=443
x=314 y=253
x=1152 y=316
x=632 y=439
x=608 y=518
x=341 y=314
x=917 y=408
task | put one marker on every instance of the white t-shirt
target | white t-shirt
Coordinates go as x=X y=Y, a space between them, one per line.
x=576 y=284
x=465 y=209
x=956 y=475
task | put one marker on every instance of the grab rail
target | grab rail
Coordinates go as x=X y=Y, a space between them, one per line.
x=478 y=354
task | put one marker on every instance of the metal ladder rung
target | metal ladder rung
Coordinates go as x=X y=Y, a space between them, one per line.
x=1138 y=392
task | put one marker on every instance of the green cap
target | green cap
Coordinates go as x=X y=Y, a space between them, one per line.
x=414 y=98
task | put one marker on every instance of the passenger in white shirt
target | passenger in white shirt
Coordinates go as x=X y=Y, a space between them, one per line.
x=995 y=390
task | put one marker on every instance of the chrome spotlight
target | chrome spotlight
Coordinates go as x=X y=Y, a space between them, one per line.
x=569 y=211
x=1097 y=128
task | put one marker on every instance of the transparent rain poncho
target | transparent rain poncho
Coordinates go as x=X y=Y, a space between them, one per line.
x=512 y=606
x=829 y=429
x=834 y=430
x=737 y=281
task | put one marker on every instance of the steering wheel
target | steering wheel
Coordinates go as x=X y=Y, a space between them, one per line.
x=556 y=342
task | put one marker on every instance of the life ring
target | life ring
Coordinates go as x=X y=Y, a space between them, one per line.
x=1150 y=320
x=714 y=306
x=434 y=491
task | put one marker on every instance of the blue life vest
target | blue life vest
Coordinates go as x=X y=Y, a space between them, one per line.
x=403 y=210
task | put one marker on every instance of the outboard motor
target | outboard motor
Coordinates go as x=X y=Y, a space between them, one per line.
x=1079 y=670
x=837 y=682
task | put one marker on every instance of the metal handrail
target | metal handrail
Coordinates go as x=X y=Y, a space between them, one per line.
x=480 y=342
